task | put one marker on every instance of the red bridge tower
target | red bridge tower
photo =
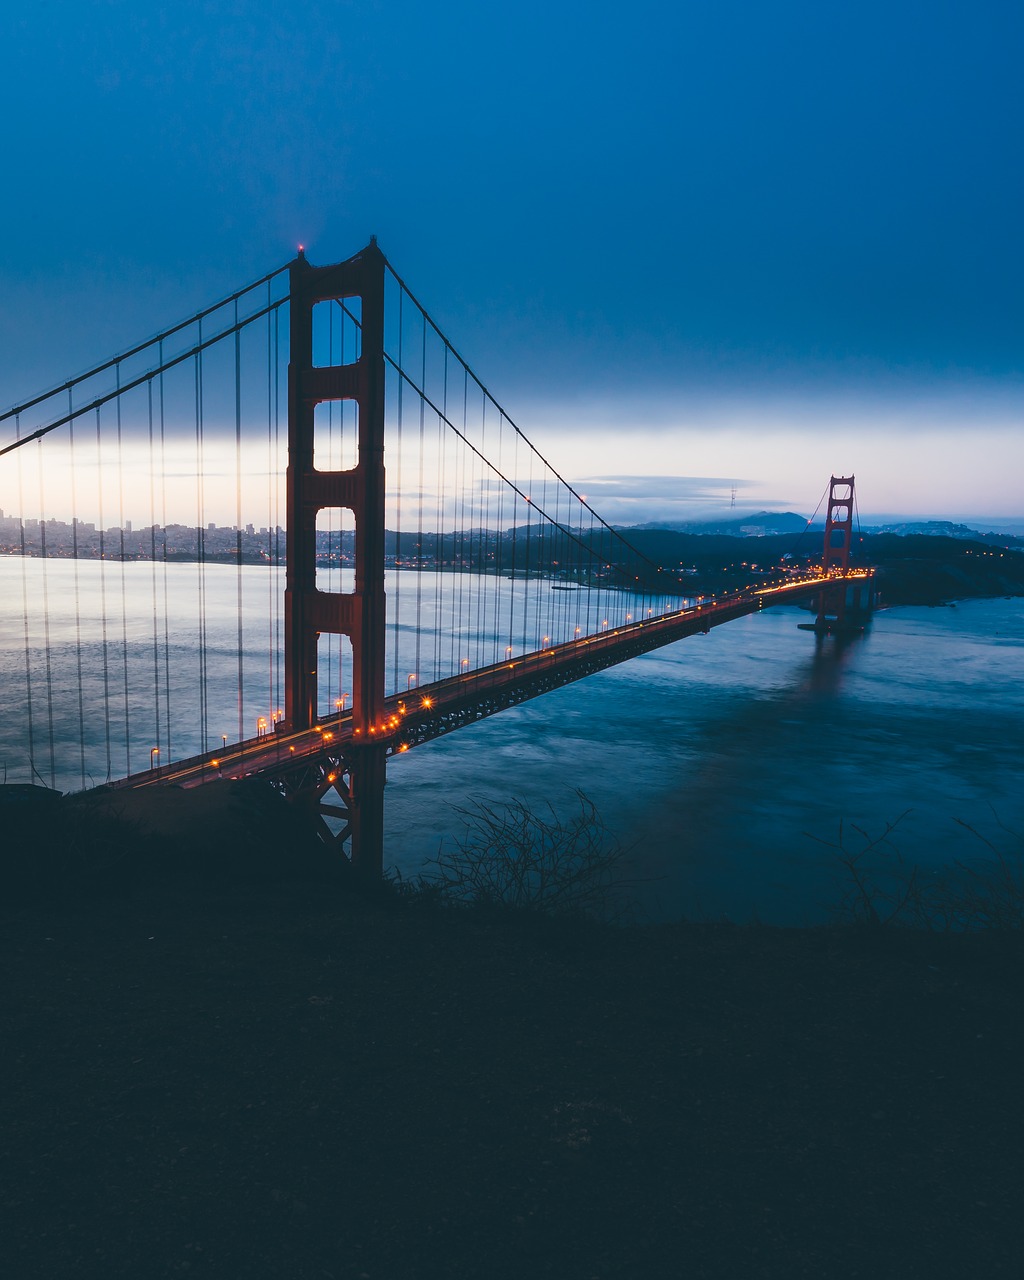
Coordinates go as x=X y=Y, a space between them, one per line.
x=358 y=777
x=846 y=601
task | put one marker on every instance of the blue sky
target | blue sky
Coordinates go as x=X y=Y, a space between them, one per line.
x=756 y=243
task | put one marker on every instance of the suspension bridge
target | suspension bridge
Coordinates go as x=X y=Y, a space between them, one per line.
x=235 y=585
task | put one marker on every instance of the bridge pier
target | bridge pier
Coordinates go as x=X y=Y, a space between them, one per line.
x=368 y=777
x=846 y=604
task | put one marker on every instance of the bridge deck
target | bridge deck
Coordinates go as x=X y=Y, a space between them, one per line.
x=431 y=710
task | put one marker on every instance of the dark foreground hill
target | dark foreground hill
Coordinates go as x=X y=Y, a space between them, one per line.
x=286 y=1080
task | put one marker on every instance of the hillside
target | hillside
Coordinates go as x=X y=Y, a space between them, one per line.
x=913 y=569
x=283 y=1080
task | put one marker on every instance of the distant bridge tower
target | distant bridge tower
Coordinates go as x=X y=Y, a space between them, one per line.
x=359 y=777
x=842 y=604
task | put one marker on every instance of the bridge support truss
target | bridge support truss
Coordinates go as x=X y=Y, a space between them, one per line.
x=357 y=777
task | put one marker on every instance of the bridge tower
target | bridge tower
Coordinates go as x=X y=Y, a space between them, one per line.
x=842 y=603
x=359 y=777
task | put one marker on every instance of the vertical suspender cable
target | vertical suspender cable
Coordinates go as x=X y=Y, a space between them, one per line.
x=515 y=522
x=454 y=497
x=440 y=536
x=499 y=566
x=46 y=617
x=484 y=522
x=200 y=544
x=124 y=598
x=398 y=497
x=279 y=595
x=25 y=607
x=238 y=525
x=152 y=567
x=103 y=593
x=419 y=530
x=163 y=521
x=333 y=570
x=461 y=463
x=78 y=601
x=271 y=476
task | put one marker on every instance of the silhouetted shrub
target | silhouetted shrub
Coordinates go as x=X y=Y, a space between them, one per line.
x=513 y=856
x=882 y=888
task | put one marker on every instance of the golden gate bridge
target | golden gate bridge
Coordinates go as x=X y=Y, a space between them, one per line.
x=468 y=576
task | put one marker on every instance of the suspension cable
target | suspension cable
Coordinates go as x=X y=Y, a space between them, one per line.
x=193 y=352
x=160 y=338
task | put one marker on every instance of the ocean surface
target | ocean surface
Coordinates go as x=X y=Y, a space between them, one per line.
x=730 y=762
x=730 y=765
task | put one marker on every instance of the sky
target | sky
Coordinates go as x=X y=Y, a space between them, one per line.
x=690 y=248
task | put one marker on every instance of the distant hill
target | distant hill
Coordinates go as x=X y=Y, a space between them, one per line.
x=912 y=568
x=761 y=524
x=776 y=523
x=944 y=529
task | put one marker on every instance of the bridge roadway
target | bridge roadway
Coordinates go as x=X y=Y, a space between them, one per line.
x=424 y=713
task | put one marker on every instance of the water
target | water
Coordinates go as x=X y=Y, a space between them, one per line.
x=724 y=760
x=107 y=664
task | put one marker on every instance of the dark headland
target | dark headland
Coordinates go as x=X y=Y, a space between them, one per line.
x=220 y=1060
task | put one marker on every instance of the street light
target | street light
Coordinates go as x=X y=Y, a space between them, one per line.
x=153 y=753
x=340 y=702
x=411 y=681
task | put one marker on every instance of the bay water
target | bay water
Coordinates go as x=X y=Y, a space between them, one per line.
x=729 y=765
